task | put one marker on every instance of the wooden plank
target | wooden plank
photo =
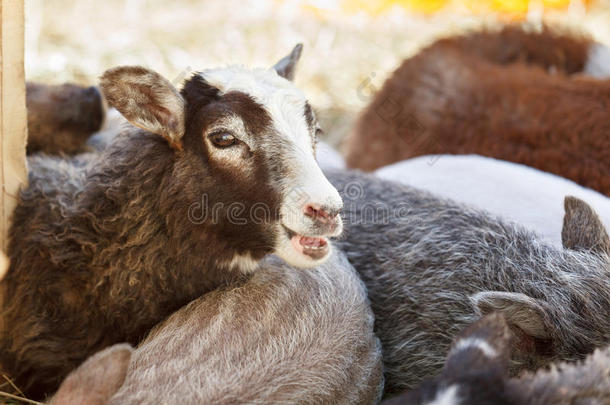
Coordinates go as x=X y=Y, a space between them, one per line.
x=13 y=118
x=3 y=265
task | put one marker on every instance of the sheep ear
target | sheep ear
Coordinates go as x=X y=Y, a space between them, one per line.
x=582 y=228
x=97 y=379
x=484 y=346
x=147 y=100
x=286 y=67
x=520 y=310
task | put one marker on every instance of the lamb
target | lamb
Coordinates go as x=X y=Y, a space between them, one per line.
x=475 y=373
x=221 y=174
x=432 y=266
x=283 y=336
x=447 y=100
x=62 y=117
x=509 y=190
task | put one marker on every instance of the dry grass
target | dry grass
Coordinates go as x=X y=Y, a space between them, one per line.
x=77 y=40
x=10 y=394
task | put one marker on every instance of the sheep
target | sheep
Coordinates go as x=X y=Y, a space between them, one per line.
x=219 y=175
x=554 y=50
x=512 y=191
x=431 y=266
x=283 y=336
x=447 y=100
x=62 y=117
x=526 y=195
x=475 y=373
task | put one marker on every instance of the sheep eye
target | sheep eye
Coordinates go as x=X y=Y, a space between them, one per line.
x=223 y=139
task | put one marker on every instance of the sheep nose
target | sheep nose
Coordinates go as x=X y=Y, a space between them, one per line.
x=325 y=215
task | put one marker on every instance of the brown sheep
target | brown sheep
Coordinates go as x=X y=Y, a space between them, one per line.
x=475 y=94
x=221 y=174
x=62 y=117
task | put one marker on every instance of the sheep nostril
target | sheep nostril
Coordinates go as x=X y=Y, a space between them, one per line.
x=321 y=214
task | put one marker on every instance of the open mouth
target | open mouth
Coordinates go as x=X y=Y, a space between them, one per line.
x=316 y=247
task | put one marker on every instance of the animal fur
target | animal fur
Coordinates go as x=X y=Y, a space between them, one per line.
x=432 y=266
x=491 y=93
x=284 y=336
x=476 y=373
x=105 y=246
x=509 y=190
x=62 y=117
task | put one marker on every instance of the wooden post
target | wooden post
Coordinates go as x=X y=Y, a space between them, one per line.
x=13 y=118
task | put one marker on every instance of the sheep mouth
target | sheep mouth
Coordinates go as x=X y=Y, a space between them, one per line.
x=315 y=247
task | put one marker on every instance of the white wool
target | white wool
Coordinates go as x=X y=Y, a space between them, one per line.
x=477 y=343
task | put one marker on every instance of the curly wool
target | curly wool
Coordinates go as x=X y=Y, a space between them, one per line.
x=423 y=257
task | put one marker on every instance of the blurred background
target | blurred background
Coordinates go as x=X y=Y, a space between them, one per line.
x=351 y=46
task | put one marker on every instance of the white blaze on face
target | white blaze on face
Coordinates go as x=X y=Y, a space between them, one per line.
x=476 y=343
x=304 y=184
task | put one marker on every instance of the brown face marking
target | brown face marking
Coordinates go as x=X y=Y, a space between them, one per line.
x=275 y=158
x=246 y=179
x=255 y=117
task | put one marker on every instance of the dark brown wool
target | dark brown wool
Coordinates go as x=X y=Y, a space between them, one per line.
x=102 y=254
x=493 y=94
x=62 y=117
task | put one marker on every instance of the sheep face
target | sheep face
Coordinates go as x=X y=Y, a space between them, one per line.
x=248 y=137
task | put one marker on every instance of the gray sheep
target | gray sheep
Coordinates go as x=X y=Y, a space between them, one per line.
x=432 y=266
x=284 y=336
